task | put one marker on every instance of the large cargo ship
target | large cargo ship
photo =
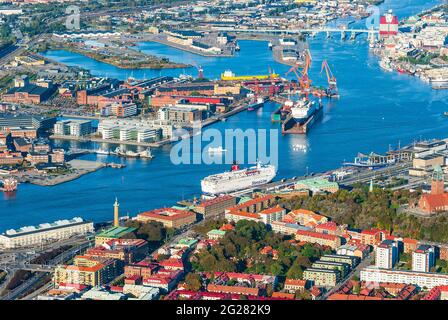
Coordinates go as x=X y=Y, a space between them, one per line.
x=303 y=109
x=238 y=179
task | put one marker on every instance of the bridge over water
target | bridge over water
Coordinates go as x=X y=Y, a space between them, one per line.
x=328 y=30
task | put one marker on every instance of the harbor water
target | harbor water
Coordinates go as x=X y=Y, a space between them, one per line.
x=377 y=109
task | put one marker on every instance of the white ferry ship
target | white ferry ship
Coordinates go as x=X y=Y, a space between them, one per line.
x=238 y=179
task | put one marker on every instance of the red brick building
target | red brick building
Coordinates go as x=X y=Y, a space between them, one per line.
x=437 y=200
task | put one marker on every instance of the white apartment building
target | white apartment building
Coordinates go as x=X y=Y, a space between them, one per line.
x=75 y=128
x=423 y=258
x=386 y=254
x=110 y=128
x=45 y=232
x=422 y=279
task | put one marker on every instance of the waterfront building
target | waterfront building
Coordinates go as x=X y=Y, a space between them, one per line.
x=422 y=166
x=437 y=200
x=9 y=122
x=319 y=238
x=45 y=232
x=135 y=130
x=113 y=233
x=422 y=279
x=386 y=254
x=76 y=128
x=180 y=114
x=57 y=156
x=254 y=205
x=216 y=206
x=37 y=158
x=322 y=277
x=171 y=218
x=423 y=258
x=317 y=185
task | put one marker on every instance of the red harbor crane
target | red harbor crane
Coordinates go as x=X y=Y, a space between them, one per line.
x=332 y=90
x=302 y=75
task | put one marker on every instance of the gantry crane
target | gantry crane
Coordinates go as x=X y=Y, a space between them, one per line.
x=332 y=89
x=302 y=75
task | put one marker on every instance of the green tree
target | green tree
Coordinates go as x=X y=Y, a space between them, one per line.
x=193 y=281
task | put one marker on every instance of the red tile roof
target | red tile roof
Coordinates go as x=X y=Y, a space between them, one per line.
x=215 y=200
x=318 y=235
x=167 y=214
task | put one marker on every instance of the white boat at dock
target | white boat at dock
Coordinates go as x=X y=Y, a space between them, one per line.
x=146 y=154
x=102 y=151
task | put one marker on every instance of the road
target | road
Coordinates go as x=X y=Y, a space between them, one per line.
x=42 y=270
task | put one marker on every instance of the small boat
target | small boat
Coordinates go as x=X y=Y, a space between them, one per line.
x=146 y=154
x=270 y=45
x=255 y=105
x=223 y=119
x=299 y=147
x=445 y=113
x=219 y=149
x=102 y=151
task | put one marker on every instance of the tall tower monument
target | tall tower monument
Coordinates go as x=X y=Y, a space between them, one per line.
x=116 y=216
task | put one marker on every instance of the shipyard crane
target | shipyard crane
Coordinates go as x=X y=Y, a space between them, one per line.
x=302 y=74
x=332 y=89
x=200 y=71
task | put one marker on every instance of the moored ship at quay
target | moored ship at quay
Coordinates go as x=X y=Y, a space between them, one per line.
x=8 y=185
x=238 y=179
x=300 y=115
